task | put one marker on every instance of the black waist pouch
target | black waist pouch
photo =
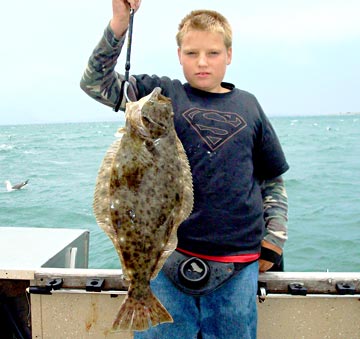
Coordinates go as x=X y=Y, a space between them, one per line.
x=197 y=276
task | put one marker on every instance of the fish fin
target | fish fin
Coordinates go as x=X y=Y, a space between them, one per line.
x=101 y=202
x=187 y=200
x=140 y=315
x=168 y=249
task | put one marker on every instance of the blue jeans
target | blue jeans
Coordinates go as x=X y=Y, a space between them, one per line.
x=229 y=312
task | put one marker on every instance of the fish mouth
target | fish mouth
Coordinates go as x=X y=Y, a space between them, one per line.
x=153 y=122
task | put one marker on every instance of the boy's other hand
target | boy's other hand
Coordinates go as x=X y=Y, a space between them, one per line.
x=265 y=265
x=270 y=254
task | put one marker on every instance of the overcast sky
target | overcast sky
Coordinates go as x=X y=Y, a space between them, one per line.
x=298 y=57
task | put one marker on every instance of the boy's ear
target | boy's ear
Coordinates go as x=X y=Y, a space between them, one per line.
x=229 y=55
x=179 y=55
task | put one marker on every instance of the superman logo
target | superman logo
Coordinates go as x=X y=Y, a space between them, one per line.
x=214 y=127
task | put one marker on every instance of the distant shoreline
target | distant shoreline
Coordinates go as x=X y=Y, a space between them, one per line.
x=348 y=113
x=313 y=115
x=122 y=121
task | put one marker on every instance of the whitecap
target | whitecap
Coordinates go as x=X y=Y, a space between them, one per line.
x=6 y=147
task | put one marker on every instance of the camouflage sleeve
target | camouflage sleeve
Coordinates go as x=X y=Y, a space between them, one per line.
x=100 y=80
x=275 y=212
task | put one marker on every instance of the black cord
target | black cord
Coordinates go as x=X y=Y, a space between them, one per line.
x=127 y=64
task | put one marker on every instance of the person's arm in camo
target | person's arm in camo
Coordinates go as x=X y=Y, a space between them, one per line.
x=100 y=81
x=276 y=216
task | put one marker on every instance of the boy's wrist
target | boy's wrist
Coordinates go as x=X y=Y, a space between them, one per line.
x=270 y=252
x=118 y=28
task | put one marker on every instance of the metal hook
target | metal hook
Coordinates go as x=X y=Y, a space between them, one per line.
x=126 y=86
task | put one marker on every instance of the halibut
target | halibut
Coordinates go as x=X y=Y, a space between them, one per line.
x=143 y=193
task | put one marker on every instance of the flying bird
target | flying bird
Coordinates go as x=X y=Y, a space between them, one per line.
x=18 y=186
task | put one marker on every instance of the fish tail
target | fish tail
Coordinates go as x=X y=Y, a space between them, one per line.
x=140 y=315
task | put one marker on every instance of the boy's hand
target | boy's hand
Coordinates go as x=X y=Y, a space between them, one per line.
x=265 y=265
x=270 y=254
x=121 y=14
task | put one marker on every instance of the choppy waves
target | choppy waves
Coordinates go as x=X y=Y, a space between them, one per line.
x=323 y=184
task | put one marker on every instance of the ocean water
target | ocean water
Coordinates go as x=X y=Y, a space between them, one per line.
x=323 y=184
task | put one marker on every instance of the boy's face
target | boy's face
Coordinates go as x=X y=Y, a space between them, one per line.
x=204 y=57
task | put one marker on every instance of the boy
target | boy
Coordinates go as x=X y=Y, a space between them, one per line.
x=238 y=223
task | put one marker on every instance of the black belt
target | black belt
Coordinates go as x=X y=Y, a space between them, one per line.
x=197 y=276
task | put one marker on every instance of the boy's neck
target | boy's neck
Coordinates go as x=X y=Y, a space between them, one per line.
x=225 y=88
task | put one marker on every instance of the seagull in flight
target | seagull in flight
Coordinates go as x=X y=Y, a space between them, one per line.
x=18 y=186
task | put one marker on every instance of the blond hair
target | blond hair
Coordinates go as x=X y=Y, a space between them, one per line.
x=205 y=20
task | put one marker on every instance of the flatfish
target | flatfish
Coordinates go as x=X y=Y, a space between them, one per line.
x=143 y=193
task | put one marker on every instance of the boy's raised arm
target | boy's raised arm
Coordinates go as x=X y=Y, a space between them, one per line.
x=100 y=80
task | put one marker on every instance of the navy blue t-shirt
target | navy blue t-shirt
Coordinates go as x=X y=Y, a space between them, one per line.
x=232 y=148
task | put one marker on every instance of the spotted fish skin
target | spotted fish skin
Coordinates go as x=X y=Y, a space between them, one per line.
x=143 y=193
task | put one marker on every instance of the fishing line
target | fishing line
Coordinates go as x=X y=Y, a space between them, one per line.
x=125 y=83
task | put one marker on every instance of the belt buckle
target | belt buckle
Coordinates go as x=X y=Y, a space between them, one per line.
x=194 y=272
